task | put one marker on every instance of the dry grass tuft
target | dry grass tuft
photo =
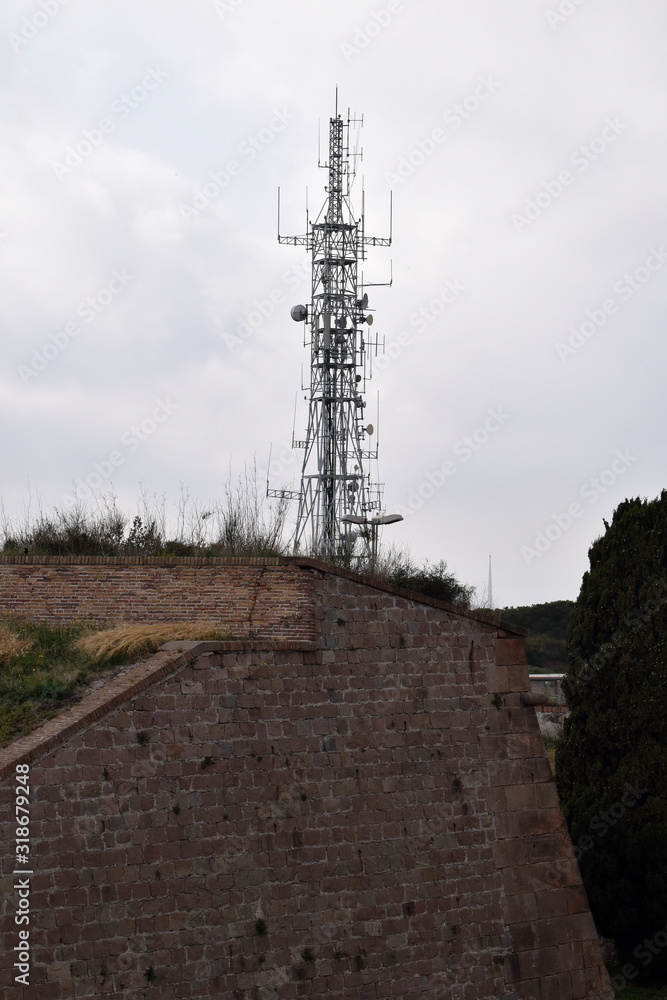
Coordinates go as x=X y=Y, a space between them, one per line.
x=11 y=645
x=128 y=641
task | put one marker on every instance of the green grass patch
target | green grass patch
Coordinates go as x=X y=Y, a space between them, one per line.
x=41 y=665
x=40 y=668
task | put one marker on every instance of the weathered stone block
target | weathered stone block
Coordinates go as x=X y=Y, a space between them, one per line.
x=509 y=652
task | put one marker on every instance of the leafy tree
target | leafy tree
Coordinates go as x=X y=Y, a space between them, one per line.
x=550 y=619
x=611 y=765
x=547 y=630
x=546 y=654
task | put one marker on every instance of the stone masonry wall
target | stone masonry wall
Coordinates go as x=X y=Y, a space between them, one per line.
x=462 y=688
x=368 y=816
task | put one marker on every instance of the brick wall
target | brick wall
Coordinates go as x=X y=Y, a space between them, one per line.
x=266 y=598
x=375 y=817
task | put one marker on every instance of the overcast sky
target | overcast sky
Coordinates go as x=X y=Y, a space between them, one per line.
x=522 y=395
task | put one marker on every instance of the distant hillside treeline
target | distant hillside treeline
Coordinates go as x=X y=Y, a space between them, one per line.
x=547 y=633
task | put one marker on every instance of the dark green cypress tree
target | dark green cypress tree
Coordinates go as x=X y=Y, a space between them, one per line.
x=611 y=764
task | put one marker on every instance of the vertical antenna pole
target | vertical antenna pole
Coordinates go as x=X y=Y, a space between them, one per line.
x=294 y=420
x=268 y=468
x=363 y=222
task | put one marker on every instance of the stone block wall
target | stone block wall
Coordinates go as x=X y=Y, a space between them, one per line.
x=370 y=814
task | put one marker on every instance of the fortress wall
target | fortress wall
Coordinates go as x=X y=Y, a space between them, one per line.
x=369 y=814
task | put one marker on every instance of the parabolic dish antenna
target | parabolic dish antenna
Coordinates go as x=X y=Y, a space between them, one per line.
x=298 y=313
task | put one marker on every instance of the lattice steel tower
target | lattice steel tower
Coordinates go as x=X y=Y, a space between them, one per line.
x=335 y=479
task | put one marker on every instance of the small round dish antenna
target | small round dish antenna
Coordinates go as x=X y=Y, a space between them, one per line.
x=298 y=313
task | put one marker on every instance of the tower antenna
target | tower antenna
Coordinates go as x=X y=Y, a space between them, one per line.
x=337 y=496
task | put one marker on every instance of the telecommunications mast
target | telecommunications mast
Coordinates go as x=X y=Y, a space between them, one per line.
x=338 y=502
